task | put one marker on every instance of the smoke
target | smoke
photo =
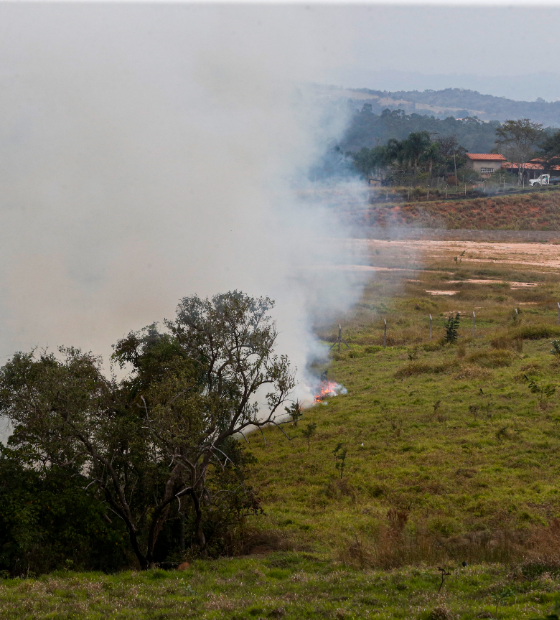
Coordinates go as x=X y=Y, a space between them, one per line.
x=149 y=153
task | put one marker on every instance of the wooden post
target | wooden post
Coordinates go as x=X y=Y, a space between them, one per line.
x=339 y=340
x=473 y=323
x=430 y=326
x=558 y=319
x=465 y=189
x=339 y=336
x=385 y=334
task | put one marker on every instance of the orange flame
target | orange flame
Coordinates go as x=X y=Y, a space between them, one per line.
x=327 y=388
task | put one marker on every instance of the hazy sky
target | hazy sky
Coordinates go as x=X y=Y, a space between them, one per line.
x=375 y=46
x=503 y=50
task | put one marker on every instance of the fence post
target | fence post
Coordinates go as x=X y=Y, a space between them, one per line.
x=431 y=325
x=473 y=323
x=558 y=319
x=385 y=334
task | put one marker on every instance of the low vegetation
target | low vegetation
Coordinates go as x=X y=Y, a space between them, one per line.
x=539 y=210
x=429 y=491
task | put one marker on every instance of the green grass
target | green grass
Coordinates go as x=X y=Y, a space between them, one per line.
x=450 y=458
x=283 y=585
x=451 y=437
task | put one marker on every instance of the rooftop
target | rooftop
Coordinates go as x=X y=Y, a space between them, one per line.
x=486 y=156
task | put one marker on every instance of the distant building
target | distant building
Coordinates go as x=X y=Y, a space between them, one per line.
x=532 y=169
x=485 y=163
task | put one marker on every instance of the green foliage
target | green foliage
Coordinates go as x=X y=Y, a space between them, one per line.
x=295 y=412
x=157 y=446
x=550 y=151
x=518 y=139
x=540 y=389
x=451 y=329
x=48 y=520
x=340 y=458
x=555 y=348
x=308 y=432
x=369 y=128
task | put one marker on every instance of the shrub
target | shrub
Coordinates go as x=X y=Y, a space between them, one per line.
x=499 y=358
x=451 y=329
x=535 y=332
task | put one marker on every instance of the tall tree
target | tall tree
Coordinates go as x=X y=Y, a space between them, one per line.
x=550 y=151
x=149 y=441
x=415 y=148
x=518 y=141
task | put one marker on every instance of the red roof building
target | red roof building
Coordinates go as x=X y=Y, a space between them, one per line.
x=485 y=163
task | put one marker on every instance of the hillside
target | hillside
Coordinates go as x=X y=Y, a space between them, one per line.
x=536 y=211
x=455 y=102
x=451 y=461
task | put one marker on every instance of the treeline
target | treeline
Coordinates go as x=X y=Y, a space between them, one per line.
x=420 y=160
x=100 y=473
x=416 y=160
x=368 y=129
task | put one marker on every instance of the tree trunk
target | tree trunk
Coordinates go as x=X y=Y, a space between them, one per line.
x=144 y=564
x=199 y=532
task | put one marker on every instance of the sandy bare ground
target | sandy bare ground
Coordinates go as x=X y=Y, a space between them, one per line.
x=545 y=255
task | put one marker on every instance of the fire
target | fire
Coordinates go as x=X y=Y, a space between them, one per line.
x=327 y=389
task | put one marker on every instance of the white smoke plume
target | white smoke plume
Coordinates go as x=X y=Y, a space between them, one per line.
x=152 y=152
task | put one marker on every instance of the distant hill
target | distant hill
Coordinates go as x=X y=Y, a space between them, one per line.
x=455 y=102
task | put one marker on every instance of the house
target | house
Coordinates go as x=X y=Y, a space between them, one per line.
x=532 y=169
x=485 y=163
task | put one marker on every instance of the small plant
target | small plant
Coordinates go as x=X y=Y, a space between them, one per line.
x=502 y=434
x=308 y=433
x=555 y=348
x=413 y=354
x=340 y=458
x=458 y=259
x=451 y=329
x=542 y=391
x=295 y=412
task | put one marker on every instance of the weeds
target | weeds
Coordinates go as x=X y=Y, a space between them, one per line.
x=340 y=458
x=308 y=432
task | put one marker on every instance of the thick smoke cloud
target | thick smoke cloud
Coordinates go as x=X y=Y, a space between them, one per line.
x=148 y=153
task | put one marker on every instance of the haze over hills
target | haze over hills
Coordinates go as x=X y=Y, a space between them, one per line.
x=455 y=102
x=522 y=87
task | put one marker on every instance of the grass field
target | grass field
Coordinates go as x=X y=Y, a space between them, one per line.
x=451 y=457
x=283 y=585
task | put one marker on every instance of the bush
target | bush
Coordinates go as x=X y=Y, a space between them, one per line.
x=48 y=522
x=535 y=332
x=499 y=358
